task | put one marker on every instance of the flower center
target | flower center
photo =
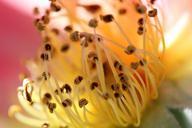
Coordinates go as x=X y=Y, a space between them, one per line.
x=93 y=74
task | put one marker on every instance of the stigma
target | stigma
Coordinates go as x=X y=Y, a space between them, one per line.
x=99 y=71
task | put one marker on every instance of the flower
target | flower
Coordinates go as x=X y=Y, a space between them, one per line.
x=113 y=77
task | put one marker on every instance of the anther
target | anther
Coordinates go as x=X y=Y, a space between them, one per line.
x=36 y=11
x=45 y=19
x=78 y=80
x=68 y=28
x=142 y=62
x=47 y=47
x=65 y=48
x=44 y=75
x=140 y=8
x=40 y=26
x=93 y=23
x=124 y=87
x=48 y=96
x=28 y=96
x=55 y=7
x=140 y=30
x=46 y=39
x=51 y=107
x=115 y=87
x=44 y=56
x=122 y=11
x=107 y=18
x=83 y=102
x=134 y=65
x=116 y=95
x=152 y=1
x=67 y=102
x=140 y=21
x=67 y=88
x=152 y=13
x=130 y=49
x=56 y=31
x=45 y=125
x=94 y=85
x=118 y=65
x=74 y=36
x=123 y=78
x=92 y=8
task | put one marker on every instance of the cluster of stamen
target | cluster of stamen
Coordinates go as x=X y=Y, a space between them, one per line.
x=106 y=90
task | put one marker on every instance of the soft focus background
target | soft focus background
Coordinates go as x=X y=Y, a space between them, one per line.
x=19 y=40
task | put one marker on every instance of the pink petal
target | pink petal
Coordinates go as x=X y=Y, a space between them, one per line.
x=19 y=40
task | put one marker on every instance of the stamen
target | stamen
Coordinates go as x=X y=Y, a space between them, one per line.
x=82 y=102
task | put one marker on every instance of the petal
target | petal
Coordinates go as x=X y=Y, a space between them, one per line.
x=167 y=111
x=18 y=41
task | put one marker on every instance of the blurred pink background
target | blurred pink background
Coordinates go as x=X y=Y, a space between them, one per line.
x=19 y=41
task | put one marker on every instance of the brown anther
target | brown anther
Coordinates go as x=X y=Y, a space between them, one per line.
x=134 y=65
x=140 y=8
x=94 y=85
x=68 y=28
x=46 y=99
x=142 y=62
x=93 y=56
x=47 y=12
x=116 y=95
x=46 y=39
x=140 y=30
x=74 y=36
x=105 y=96
x=93 y=23
x=124 y=87
x=44 y=75
x=122 y=11
x=56 y=91
x=118 y=66
x=67 y=103
x=123 y=78
x=83 y=102
x=45 y=125
x=130 y=49
x=65 y=47
x=44 y=56
x=40 y=26
x=152 y=13
x=47 y=47
x=107 y=18
x=48 y=96
x=45 y=19
x=55 y=7
x=140 y=21
x=78 y=80
x=67 y=88
x=152 y=1
x=115 y=87
x=55 y=30
x=92 y=8
x=51 y=107
x=36 y=11
x=90 y=38
x=28 y=96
